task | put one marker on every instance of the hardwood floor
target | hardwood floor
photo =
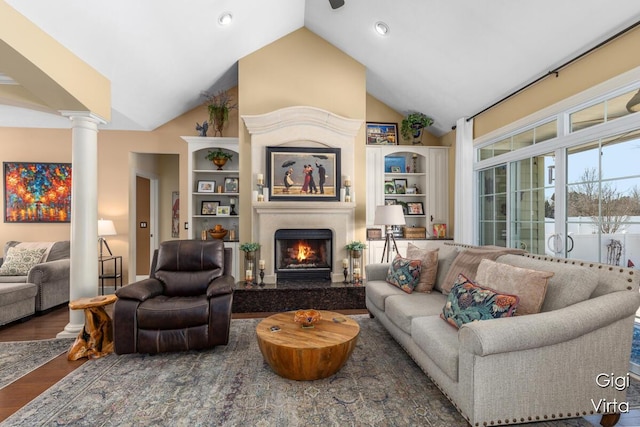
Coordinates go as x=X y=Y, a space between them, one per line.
x=22 y=391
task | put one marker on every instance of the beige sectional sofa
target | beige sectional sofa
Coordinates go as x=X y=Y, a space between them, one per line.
x=525 y=368
x=45 y=285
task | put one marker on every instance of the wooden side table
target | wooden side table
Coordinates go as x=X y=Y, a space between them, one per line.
x=96 y=338
x=298 y=353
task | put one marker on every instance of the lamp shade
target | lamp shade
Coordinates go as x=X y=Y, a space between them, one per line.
x=106 y=228
x=633 y=106
x=389 y=215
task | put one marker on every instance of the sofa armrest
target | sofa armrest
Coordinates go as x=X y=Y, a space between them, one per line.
x=221 y=286
x=377 y=271
x=49 y=271
x=548 y=328
x=142 y=290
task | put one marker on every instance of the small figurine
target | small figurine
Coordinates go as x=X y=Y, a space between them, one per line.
x=202 y=129
x=417 y=189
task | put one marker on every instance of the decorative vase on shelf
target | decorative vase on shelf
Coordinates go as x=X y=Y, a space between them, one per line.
x=220 y=162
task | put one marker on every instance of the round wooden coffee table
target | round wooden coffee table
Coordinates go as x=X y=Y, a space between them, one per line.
x=301 y=353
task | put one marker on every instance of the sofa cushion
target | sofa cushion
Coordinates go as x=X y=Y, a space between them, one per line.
x=402 y=309
x=529 y=285
x=11 y=293
x=569 y=285
x=429 y=266
x=468 y=260
x=468 y=302
x=404 y=273
x=19 y=261
x=446 y=255
x=377 y=292
x=439 y=341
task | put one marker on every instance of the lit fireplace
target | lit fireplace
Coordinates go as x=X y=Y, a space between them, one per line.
x=303 y=253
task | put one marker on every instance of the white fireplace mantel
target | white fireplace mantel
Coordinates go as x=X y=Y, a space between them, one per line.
x=302 y=127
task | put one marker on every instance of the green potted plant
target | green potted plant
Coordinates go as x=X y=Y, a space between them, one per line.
x=413 y=124
x=355 y=248
x=249 y=249
x=219 y=104
x=219 y=157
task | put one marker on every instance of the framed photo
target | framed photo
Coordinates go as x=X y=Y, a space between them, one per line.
x=222 y=211
x=440 y=231
x=382 y=133
x=400 y=185
x=37 y=192
x=301 y=173
x=231 y=185
x=415 y=208
x=206 y=186
x=374 y=233
x=389 y=188
x=410 y=190
x=398 y=164
x=209 y=207
x=390 y=202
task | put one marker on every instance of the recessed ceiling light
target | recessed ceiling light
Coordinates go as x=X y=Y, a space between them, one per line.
x=225 y=18
x=381 y=28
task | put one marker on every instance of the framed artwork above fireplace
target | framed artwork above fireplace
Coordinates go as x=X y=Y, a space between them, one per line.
x=302 y=173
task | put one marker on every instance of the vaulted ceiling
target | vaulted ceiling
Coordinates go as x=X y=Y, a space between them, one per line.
x=448 y=59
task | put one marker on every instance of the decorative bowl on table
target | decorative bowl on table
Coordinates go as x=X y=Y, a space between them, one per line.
x=218 y=234
x=307 y=317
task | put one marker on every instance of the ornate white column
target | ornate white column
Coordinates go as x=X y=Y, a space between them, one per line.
x=84 y=214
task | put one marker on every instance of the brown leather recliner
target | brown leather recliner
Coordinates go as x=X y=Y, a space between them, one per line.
x=185 y=304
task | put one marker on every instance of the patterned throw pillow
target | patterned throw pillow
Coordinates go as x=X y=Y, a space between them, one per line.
x=404 y=273
x=19 y=261
x=468 y=302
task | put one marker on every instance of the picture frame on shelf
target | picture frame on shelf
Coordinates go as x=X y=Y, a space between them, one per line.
x=400 y=185
x=389 y=188
x=374 y=234
x=231 y=185
x=410 y=190
x=415 y=208
x=397 y=162
x=439 y=230
x=206 y=187
x=389 y=202
x=382 y=133
x=223 y=211
x=209 y=207
x=300 y=164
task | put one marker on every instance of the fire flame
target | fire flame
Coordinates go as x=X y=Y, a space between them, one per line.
x=304 y=251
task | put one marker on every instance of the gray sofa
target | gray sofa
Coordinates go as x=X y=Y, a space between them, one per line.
x=46 y=284
x=524 y=368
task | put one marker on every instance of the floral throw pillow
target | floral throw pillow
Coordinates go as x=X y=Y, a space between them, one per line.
x=468 y=302
x=19 y=261
x=404 y=273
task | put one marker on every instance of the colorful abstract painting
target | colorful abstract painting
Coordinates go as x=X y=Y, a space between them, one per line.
x=37 y=192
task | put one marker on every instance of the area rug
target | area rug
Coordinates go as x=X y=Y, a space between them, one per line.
x=18 y=358
x=231 y=386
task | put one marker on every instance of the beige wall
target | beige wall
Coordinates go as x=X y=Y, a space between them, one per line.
x=301 y=69
x=609 y=61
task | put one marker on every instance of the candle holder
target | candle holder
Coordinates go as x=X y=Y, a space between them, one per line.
x=261 y=277
x=346 y=275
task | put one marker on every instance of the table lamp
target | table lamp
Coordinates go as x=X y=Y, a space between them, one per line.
x=105 y=228
x=389 y=215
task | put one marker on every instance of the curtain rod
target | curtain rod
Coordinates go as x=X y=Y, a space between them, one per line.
x=556 y=70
